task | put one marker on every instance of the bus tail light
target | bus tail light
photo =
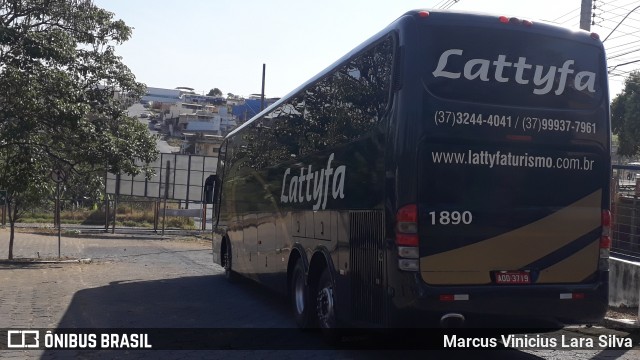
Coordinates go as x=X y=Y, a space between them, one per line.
x=407 y=237
x=515 y=21
x=454 y=297
x=572 y=296
x=605 y=240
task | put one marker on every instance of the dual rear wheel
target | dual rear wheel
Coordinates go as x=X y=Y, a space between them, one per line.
x=312 y=305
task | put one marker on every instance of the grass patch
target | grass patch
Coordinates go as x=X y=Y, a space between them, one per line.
x=125 y=216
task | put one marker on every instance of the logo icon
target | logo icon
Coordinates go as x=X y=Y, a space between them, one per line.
x=23 y=339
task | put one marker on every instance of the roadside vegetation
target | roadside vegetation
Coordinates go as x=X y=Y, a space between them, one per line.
x=126 y=216
x=64 y=92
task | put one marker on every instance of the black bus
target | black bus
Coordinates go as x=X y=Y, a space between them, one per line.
x=453 y=170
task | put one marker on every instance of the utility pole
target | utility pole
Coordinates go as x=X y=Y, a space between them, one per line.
x=264 y=70
x=585 y=15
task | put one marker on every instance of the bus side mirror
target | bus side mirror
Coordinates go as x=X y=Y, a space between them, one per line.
x=216 y=189
x=210 y=194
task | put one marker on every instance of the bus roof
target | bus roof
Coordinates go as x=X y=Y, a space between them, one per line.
x=438 y=17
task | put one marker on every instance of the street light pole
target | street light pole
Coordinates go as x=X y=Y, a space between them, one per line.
x=264 y=70
x=585 y=15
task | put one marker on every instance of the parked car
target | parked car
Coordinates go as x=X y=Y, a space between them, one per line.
x=144 y=115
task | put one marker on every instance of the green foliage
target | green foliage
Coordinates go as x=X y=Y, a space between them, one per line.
x=215 y=92
x=63 y=99
x=184 y=223
x=95 y=217
x=336 y=110
x=124 y=217
x=625 y=116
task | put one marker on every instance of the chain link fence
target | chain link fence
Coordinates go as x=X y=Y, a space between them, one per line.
x=625 y=209
x=152 y=214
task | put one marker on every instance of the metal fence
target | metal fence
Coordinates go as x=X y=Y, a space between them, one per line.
x=626 y=226
x=174 y=193
x=179 y=177
x=152 y=214
x=625 y=208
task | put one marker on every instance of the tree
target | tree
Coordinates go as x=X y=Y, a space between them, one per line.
x=23 y=163
x=63 y=99
x=625 y=116
x=215 y=92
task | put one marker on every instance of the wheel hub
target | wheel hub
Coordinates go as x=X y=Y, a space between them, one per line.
x=325 y=306
x=299 y=294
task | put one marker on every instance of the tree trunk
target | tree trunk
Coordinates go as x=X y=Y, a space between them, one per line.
x=13 y=217
x=11 y=236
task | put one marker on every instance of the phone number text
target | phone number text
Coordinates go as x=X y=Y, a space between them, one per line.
x=525 y=123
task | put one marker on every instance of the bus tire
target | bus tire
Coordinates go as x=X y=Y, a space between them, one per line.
x=229 y=274
x=300 y=296
x=325 y=304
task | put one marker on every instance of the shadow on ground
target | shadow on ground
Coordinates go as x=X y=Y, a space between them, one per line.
x=100 y=235
x=194 y=312
x=22 y=264
x=185 y=302
x=208 y=313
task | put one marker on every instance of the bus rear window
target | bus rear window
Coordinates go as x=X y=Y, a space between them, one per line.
x=513 y=68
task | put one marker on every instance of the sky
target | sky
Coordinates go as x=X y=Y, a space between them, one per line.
x=205 y=44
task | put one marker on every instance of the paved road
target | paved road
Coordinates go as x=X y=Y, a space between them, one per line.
x=150 y=282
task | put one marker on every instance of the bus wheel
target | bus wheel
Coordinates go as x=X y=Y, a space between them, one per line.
x=228 y=272
x=300 y=296
x=325 y=308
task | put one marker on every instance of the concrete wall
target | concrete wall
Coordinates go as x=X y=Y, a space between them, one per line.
x=624 y=283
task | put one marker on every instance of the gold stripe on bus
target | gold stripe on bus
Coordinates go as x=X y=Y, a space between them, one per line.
x=516 y=248
x=456 y=277
x=573 y=269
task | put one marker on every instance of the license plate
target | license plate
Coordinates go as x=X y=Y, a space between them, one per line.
x=513 y=277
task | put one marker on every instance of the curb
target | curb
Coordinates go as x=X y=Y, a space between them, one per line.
x=621 y=324
x=31 y=261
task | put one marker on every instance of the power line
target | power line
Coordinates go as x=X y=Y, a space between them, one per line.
x=454 y=2
x=627 y=63
x=440 y=4
x=625 y=44
x=620 y=21
x=572 y=12
x=570 y=19
x=622 y=54
x=611 y=2
x=629 y=23
x=448 y=4
x=622 y=34
x=614 y=29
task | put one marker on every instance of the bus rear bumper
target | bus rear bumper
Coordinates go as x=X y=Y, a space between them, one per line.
x=515 y=307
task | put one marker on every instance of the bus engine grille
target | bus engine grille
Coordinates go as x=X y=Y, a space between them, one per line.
x=367 y=262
